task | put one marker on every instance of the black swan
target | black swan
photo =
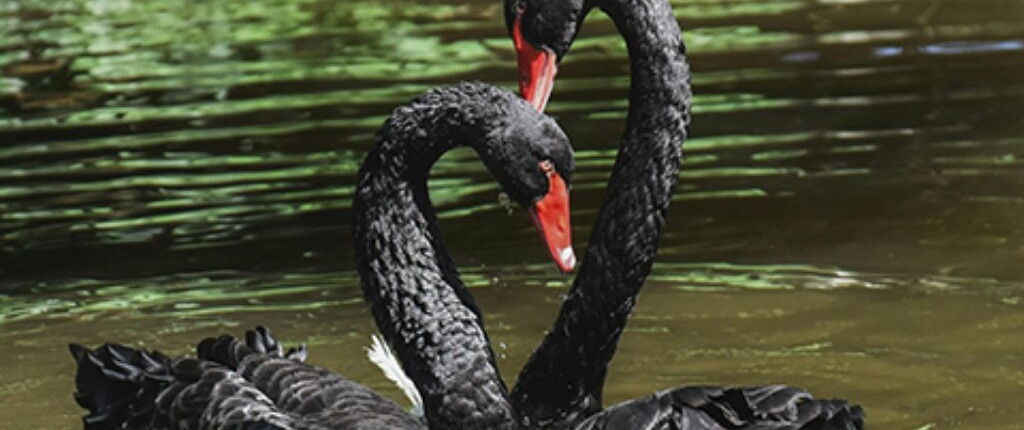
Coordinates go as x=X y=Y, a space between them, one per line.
x=562 y=382
x=410 y=281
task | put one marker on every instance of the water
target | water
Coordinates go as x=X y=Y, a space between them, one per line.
x=847 y=219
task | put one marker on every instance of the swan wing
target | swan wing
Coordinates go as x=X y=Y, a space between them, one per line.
x=315 y=394
x=207 y=395
x=720 y=408
x=127 y=388
x=232 y=385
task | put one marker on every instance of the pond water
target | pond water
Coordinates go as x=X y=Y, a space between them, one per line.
x=848 y=218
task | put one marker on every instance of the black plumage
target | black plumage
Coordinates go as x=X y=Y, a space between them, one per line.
x=722 y=408
x=409 y=280
x=232 y=384
x=420 y=305
x=561 y=384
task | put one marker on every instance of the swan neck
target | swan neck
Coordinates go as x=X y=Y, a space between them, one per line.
x=562 y=382
x=625 y=238
x=659 y=71
x=409 y=280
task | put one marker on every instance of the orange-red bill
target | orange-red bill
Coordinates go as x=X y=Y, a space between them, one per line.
x=537 y=69
x=551 y=216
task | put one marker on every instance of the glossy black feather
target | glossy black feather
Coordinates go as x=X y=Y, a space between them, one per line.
x=209 y=396
x=312 y=393
x=119 y=385
x=230 y=351
x=235 y=386
x=717 y=408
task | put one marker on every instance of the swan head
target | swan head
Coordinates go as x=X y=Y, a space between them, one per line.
x=542 y=31
x=532 y=159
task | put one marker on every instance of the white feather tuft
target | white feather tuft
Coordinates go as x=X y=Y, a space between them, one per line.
x=380 y=354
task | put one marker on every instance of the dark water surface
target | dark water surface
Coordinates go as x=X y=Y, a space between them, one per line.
x=848 y=219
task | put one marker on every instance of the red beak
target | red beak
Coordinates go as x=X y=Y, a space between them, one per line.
x=551 y=216
x=536 y=69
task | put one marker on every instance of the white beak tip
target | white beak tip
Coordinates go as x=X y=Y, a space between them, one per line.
x=568 y=257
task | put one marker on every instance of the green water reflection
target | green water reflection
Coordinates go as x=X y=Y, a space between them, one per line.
x=847 y=220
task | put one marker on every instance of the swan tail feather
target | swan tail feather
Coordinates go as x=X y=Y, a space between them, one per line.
x=118 y=385
x=381 y=355
x=230 y=350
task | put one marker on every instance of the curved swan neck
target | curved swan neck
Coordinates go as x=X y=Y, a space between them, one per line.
x=408 y=278
x=625 y=237
x=659 y=72
x=562 y=381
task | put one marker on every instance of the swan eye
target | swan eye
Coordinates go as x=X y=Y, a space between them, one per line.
x=520 y=8
x=546 y=166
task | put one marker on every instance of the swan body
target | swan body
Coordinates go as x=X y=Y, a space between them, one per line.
x=561 y=385
x=424 y=311
x=421 y=307
x=722 y=408
x=232 y=384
